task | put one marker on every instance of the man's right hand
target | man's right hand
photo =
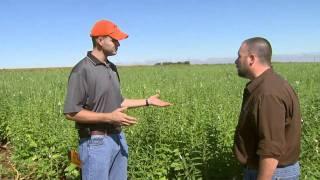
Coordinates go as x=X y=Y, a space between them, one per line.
x=118 y=117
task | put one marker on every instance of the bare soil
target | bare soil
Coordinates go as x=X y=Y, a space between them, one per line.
x=6 y=171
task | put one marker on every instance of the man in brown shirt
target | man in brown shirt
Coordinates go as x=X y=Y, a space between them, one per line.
x=267 y=137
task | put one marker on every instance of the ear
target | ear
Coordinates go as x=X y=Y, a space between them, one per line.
x=252 y=59
x=99 y=40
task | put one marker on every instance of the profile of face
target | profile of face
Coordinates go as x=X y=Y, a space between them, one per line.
x=109 y=45
x=243 y=60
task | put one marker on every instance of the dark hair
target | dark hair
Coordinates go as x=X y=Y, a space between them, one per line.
x=94 y=42
x=261 y=47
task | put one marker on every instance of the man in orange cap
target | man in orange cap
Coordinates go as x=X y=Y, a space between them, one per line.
x=95 y=103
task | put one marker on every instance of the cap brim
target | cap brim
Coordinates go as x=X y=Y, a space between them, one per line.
x=118 y=35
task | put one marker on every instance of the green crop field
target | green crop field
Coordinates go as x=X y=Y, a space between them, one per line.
x=190 y=140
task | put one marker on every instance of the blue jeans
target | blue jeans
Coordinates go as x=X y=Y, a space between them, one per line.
x=291 y=172
x=104 y=157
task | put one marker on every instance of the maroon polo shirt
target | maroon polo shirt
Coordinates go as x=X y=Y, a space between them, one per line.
x=269 y=123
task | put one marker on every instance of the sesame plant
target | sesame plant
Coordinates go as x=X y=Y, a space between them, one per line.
x=192 y=139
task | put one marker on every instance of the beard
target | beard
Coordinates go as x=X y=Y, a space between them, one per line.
x=243 y=72
x=110 y=52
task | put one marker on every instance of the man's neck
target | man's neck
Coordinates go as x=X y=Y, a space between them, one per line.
x=260 y=70
x=99 y=55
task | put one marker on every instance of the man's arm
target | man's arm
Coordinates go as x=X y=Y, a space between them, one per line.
x=152 y=100
x=271 y=128
x=267 y=167
x=116 y=117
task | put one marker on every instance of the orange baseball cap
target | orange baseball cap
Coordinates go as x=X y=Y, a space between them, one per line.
x=107 y=28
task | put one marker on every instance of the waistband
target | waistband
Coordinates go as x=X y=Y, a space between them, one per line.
x=87 y=132
x=278 y=166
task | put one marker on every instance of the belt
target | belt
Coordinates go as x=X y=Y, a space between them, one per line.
x=278 y=166
x=284 y=166
x=86 y=132
x=98 y=132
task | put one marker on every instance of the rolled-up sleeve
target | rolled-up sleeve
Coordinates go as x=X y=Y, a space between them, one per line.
x=76 y=93
x=271 y=126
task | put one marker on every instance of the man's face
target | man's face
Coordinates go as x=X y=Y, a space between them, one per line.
x=109 y=46
x=242 y=62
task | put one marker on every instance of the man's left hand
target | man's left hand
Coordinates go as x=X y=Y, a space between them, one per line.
x=155 y=101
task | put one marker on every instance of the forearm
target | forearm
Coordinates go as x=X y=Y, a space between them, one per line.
x=134 y=103
x=86 y=116
x=267 y=167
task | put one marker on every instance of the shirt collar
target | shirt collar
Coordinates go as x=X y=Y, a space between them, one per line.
x=252 y=85
x=95 y=61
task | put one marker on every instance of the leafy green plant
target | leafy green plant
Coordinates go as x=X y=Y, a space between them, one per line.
x=191 y=140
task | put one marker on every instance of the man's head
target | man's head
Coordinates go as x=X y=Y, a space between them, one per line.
x=254 y=56
x=106 y=36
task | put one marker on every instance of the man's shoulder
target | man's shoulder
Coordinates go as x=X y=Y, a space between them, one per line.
x=274 y=85
x=81 y=66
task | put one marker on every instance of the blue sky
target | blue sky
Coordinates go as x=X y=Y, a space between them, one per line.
x=56 y=33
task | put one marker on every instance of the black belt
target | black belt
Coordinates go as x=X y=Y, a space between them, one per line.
x=87 y=132
x=283 y=166
x=278 y=166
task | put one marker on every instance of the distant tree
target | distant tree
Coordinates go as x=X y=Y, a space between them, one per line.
x=172 y=63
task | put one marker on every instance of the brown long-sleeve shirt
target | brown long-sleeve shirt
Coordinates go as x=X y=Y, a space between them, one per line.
x=269 y=123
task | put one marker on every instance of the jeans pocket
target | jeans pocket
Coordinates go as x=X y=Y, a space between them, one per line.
x=83 y=151
x=96 y=140
x=123 y=144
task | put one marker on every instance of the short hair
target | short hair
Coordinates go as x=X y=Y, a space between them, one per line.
x=94 y=42
x=261 y=47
